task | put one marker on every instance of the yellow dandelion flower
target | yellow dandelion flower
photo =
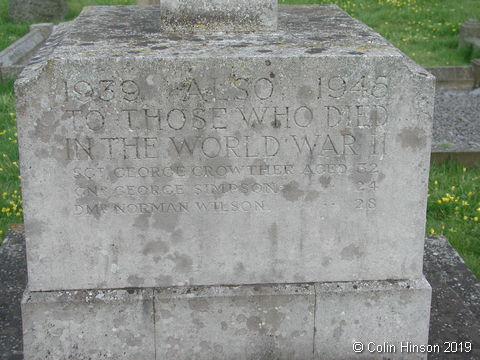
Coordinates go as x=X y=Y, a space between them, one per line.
x=439 y=201
x=432 y=231
x=464 y=169
x=453 y=187
x=465 y=217
x=435 y=182
x=475 y=218
x=470 y=193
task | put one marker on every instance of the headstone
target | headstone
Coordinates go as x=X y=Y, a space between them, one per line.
x=36 y=10
x=216 y=167
x=469 y=32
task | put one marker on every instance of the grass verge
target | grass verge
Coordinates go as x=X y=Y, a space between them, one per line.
x=454 y=209
x=10 y=198
x=425 y=30
x=10 y=32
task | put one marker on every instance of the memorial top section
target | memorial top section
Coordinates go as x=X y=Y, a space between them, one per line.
x=215 y=15
x=112 y=32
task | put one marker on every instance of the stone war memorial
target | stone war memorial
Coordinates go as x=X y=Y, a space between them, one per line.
x=223 y=180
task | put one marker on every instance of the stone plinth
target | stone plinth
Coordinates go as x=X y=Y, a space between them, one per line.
x=112 y=324
x=155 y=159
x=245 y=322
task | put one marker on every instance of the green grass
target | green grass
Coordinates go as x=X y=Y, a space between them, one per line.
x=10 y=199
x=425 y=30
x=454 y=209
x=10 y=32
x=75 y=6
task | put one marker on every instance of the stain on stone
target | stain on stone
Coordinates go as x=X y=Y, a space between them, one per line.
x=45 y=128
x=167 y=222
x=361 y=177
x=356 y=53
x=338 y=331
x=142 y=221
x=155 y=247
x=199 y=304
x=239 y=268
x=292 y=192
x=164 y=313
x=272 y=75
x=224 y=325
x=164 y=280
x=159 y=47
x=326 y=261
x=183 y=263
x=198 y=323
x=325 y=181
x=135 y=280
x=205 y=347
x=254 y=323
x=381 y=176
x=305 y=94
x=264 y=51
x=413 y=138
x=315 y=50
x=276 y=124
x=176 y=236
x=274 y=319
x=312 y=195
x=273 y=233
x=350 y=252
x=268 y=62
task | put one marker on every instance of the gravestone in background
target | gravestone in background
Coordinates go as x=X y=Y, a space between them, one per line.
x=200 y=183
x=36 y=10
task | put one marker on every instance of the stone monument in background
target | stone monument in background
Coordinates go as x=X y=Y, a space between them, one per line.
x=222 y=180
x=36 y=10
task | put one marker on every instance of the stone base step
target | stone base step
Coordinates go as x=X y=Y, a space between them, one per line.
x=296 y=321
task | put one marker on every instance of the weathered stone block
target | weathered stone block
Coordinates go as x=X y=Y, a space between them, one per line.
x=247 y=322
x=31 y=10
x=112 y=324
x=387 y=319
x=156 y=159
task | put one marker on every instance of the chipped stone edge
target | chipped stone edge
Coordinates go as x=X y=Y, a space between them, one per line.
x=373 y=286
x=147 y=294
x=234 y=291
x=87 y=296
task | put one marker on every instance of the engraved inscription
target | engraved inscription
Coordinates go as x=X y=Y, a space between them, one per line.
x=221 y=146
